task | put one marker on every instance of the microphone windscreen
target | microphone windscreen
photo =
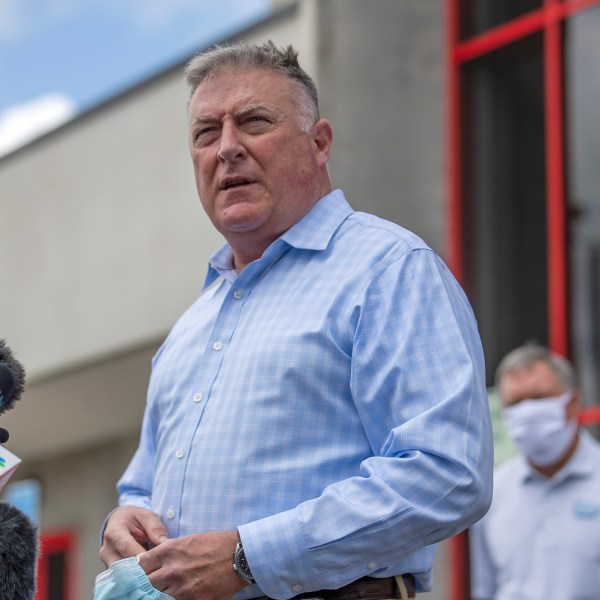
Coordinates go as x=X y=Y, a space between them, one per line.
x=18 y=554
x=12 y=378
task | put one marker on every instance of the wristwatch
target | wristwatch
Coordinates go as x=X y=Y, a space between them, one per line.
x=240 y=564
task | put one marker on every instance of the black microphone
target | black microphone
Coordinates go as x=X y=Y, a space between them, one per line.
x=18 y=554
x=12 y=382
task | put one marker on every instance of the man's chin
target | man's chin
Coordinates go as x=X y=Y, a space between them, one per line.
x=241 y=224
x=243 y=217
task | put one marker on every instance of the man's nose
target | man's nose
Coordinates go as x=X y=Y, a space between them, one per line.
x=231 y=147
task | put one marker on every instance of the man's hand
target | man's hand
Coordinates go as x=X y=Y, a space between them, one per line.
x=195 y=566
x=128 y=531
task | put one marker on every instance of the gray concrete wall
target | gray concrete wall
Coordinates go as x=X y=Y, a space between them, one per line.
x=381 y=75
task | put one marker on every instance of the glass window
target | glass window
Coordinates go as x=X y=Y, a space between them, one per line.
x=504 y=207
x=477 y=16
x=582 y=118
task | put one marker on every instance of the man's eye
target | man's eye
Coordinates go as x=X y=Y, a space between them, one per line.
x=204 y=131
x=201 y=135
x=256 y=121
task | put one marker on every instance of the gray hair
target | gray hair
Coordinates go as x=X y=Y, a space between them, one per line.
x=244 y=56
x=525 y=356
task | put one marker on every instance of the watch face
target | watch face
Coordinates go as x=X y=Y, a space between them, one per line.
x=241 y=564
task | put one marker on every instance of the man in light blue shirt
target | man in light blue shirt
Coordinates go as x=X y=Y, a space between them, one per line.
x=318 y=418
x=541 y=537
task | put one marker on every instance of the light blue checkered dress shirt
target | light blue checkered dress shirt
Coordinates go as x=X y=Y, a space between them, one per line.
x=329 y=401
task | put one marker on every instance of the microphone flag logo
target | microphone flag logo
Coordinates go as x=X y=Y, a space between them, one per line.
x=8 y=465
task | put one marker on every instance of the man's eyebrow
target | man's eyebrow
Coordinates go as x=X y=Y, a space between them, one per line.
x=200 y=119
x=252 y=108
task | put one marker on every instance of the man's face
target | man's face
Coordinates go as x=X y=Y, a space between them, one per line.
x=535 y=381
x=257 y=172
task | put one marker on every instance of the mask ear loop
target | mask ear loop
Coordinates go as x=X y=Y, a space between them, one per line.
x=402 y=586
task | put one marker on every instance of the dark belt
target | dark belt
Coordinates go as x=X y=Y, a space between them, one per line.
x=366 y=588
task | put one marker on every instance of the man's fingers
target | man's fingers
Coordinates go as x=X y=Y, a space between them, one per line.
x=129 y=531
x=127 y=546
x=155 y=530
x=118 y=545
x=148 y=562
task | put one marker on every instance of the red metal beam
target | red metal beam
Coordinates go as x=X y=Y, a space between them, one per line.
x=516 y=29
x=456 y=545
x=453 y=144
x=569 y=7
x=457 y=557
x=499 y=36
x=555 y=180
x=590 y=416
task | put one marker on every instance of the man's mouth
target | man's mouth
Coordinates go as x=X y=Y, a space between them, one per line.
x=233 y=183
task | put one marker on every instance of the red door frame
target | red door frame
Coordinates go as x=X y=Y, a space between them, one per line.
x=51 y=543
x=547 y=19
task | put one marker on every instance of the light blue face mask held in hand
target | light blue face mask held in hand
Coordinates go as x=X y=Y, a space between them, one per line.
x=126 y=580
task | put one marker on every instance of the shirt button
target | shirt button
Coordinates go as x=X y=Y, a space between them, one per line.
x=217 y=346
x=297 y=588
x=238 y=294
x=179 y=453
x=170 y=514
x=371 y=565
x=198 y=397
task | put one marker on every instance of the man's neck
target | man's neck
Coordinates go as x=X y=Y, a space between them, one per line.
x=248 y=247
x=242 y=257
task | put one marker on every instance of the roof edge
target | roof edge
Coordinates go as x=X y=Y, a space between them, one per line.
x=143 y=83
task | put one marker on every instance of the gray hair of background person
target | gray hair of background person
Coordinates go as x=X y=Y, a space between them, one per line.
x=249 y=56
x=525 y=356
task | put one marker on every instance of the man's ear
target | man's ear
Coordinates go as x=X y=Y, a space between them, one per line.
x=322 y=136
x=574 y=405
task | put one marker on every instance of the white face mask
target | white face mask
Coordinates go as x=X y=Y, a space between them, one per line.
x=540 y=429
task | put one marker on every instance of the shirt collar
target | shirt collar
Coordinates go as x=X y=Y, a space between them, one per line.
x=313 y=232
x=581 y=464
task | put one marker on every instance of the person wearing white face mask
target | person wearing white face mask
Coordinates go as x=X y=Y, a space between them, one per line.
x=541 y=536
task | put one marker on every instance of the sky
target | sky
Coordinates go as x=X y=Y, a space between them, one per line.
x=61 y=57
